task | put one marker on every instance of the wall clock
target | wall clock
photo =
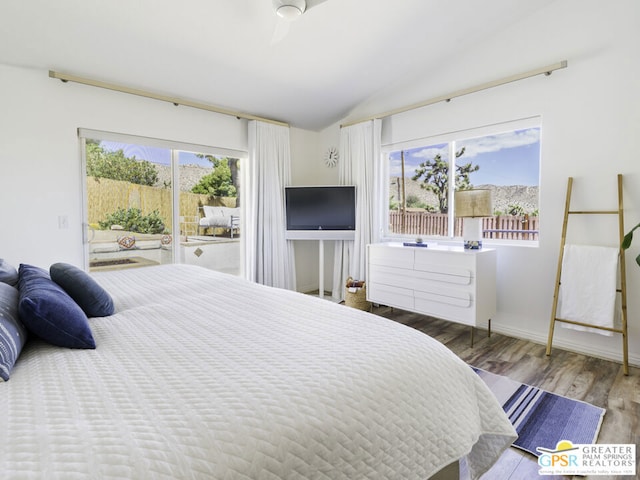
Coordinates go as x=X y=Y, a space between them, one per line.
x=331 y=157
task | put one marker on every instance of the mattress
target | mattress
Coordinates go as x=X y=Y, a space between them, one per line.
x=201 y=374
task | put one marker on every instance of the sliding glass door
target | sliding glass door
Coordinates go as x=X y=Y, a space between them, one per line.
x=151 y=205
x=210 y=231
x=129 y=205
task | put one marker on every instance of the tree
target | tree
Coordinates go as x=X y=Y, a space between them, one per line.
x=114 y=165
x=435 y=175
x=220 y=182
x=515 y=209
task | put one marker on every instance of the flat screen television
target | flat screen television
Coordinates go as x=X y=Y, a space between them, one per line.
x=321 y=212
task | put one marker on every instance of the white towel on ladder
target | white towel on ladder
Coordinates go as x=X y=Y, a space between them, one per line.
x=588 y=285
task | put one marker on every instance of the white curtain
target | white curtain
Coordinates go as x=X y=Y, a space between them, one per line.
x=268 y=256
x=360 y=165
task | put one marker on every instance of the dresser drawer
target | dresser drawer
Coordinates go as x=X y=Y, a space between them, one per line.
x=390 y=295
x=444 y=274
x=455 y=263
x=459 y=309
x=445 y=289
x=456 y=299
x=391 y=256
x=398 y=277
x=403 y=277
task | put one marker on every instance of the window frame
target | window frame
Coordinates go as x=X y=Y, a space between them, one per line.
x=450 y=138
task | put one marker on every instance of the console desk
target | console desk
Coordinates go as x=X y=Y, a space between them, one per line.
x=446 y=282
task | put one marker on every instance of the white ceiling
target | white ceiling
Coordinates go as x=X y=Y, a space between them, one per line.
x=228 y=53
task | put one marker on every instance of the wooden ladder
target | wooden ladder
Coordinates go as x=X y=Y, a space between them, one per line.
x=623 y=283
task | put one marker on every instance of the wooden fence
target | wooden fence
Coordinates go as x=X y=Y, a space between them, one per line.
x=502 y=227
x=105 y=196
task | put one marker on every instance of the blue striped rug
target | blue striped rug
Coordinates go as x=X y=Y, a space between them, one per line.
x=541 y=418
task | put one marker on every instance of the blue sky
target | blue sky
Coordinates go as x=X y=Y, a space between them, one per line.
x=511 y=158
x=158 y=155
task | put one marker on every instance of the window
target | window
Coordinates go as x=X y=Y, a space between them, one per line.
x=504 y=159
x=145 y=199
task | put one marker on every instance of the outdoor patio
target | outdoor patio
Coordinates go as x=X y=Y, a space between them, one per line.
x=117 y=249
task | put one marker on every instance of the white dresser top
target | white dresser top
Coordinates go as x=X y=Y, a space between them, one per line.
x=432 y=246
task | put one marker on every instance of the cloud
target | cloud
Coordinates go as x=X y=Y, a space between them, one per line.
x=429 y=152
x=494 y=143
x=414 y=157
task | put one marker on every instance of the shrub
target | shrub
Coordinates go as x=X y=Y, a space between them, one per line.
x=413 y=201
x=133 y=220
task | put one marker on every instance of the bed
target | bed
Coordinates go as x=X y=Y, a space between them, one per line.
x=200 y=374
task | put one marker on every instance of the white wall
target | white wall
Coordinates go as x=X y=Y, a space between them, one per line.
x=40 y=172
x=590 y=130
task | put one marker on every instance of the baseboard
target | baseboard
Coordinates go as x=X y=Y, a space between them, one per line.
x=575 y=347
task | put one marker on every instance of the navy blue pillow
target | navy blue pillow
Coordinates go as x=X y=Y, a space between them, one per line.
x=13 y=335
x=91 y=297
x=48 y=312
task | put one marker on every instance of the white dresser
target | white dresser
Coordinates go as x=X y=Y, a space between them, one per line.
x=444 y=282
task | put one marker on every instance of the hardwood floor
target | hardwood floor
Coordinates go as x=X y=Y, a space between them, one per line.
x=599 y=382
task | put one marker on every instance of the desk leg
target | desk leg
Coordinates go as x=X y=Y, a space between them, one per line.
x=321 y=268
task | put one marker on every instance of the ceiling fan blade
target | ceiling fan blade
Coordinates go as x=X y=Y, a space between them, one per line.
x=314 y=3
x=295 y=9
x=280 y=31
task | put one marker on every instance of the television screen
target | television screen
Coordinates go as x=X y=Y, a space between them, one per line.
x=321 y=208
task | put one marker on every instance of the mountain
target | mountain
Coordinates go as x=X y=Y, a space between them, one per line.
x=189 y=175
x=503 y=196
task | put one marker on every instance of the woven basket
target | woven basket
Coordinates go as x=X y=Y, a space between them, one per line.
x=357 y=299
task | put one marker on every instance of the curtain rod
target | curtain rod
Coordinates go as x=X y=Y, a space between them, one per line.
x=164 y=98
x=466 y=91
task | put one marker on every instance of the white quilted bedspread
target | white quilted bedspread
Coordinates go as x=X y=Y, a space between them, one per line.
x=204 y=375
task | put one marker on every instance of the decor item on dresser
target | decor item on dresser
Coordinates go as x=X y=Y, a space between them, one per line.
x=446 y=282
x=269 y=383
x=471 y=205
x=418 y=243
x=415 y=244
